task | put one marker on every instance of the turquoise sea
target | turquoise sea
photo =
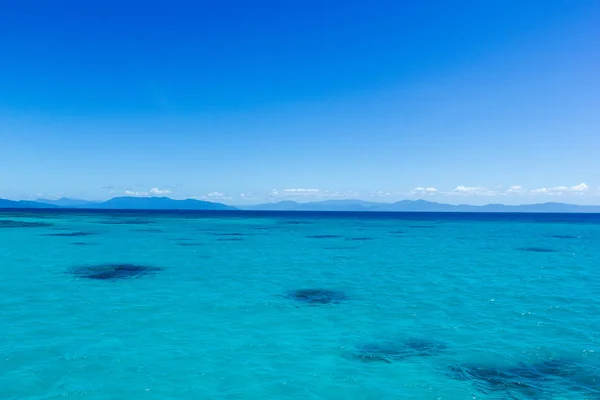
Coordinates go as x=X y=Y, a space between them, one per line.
x=248 y=305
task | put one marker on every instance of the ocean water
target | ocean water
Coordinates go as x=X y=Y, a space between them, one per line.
x=247 y=305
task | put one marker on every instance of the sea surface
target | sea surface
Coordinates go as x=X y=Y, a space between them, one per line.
x=257 y=305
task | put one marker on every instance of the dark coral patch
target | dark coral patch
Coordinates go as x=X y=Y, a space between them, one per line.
x=235 y=239
x=531 y=380
x=113 y=272
x=564 y=237
x=517 y=379
x=396 y=232
x=81 y=243
x=358 y=239
x=538 y=249
x=9 y=223
x=389 y=351
x=294 y=222
x=70 y=234
x=323 y=236
x=228 y=234
x=317 y=296
x=424 y=347
x=188 y=244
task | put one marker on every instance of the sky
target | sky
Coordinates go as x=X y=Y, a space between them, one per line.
x=252 y=101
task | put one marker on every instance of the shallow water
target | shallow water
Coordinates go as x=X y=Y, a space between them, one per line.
x=485 y=306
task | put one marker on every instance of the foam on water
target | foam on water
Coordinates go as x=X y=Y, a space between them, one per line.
x=299 y=306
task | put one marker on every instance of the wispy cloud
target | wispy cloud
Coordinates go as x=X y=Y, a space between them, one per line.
x=213 y=196
x=218 y=196
x=559 y=190
x=294 y=192
x=301 y=191
x=349 y=194
x=424 y=191
x=469 y=189
x=304 y=193
x=53 y=196
x=380 y=193
x=582 y=187
x=472 y=191
x=136 y=194
x=247 y=196
x=515 y=189
x=159 y=192
x=149 y=193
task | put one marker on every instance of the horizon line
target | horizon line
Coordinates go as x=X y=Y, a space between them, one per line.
x=238 y=205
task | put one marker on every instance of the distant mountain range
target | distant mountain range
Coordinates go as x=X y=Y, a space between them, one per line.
x=23 y=204
x=67 y=202
x=420 y=206
x=157 y=203
x=165 y=203
x=120 y=203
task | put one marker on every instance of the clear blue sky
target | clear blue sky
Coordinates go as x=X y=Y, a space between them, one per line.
x=247 y=101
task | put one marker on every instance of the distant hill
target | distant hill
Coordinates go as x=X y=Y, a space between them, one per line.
x=165 y=203
x=120 y=203
x=354 y=205
x=24 y=204
x=327 y=205
x=67 y=202
x=156 y=203
x=420 y=206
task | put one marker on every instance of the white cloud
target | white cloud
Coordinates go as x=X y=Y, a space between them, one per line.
x=303 y=191
x=473 y=191
x=157 y=191
x=149 y=193
x=54 y=196
x=541 y=190
x=213 y=196
x=340 y=195
x=136 y=194
x=515 y=190
x=465 y=189
x=559 y=190
x=422 y=191
x=247 y=196
x=295 y=192
x=381 y=193
x=313 y=194
x=582 y=187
